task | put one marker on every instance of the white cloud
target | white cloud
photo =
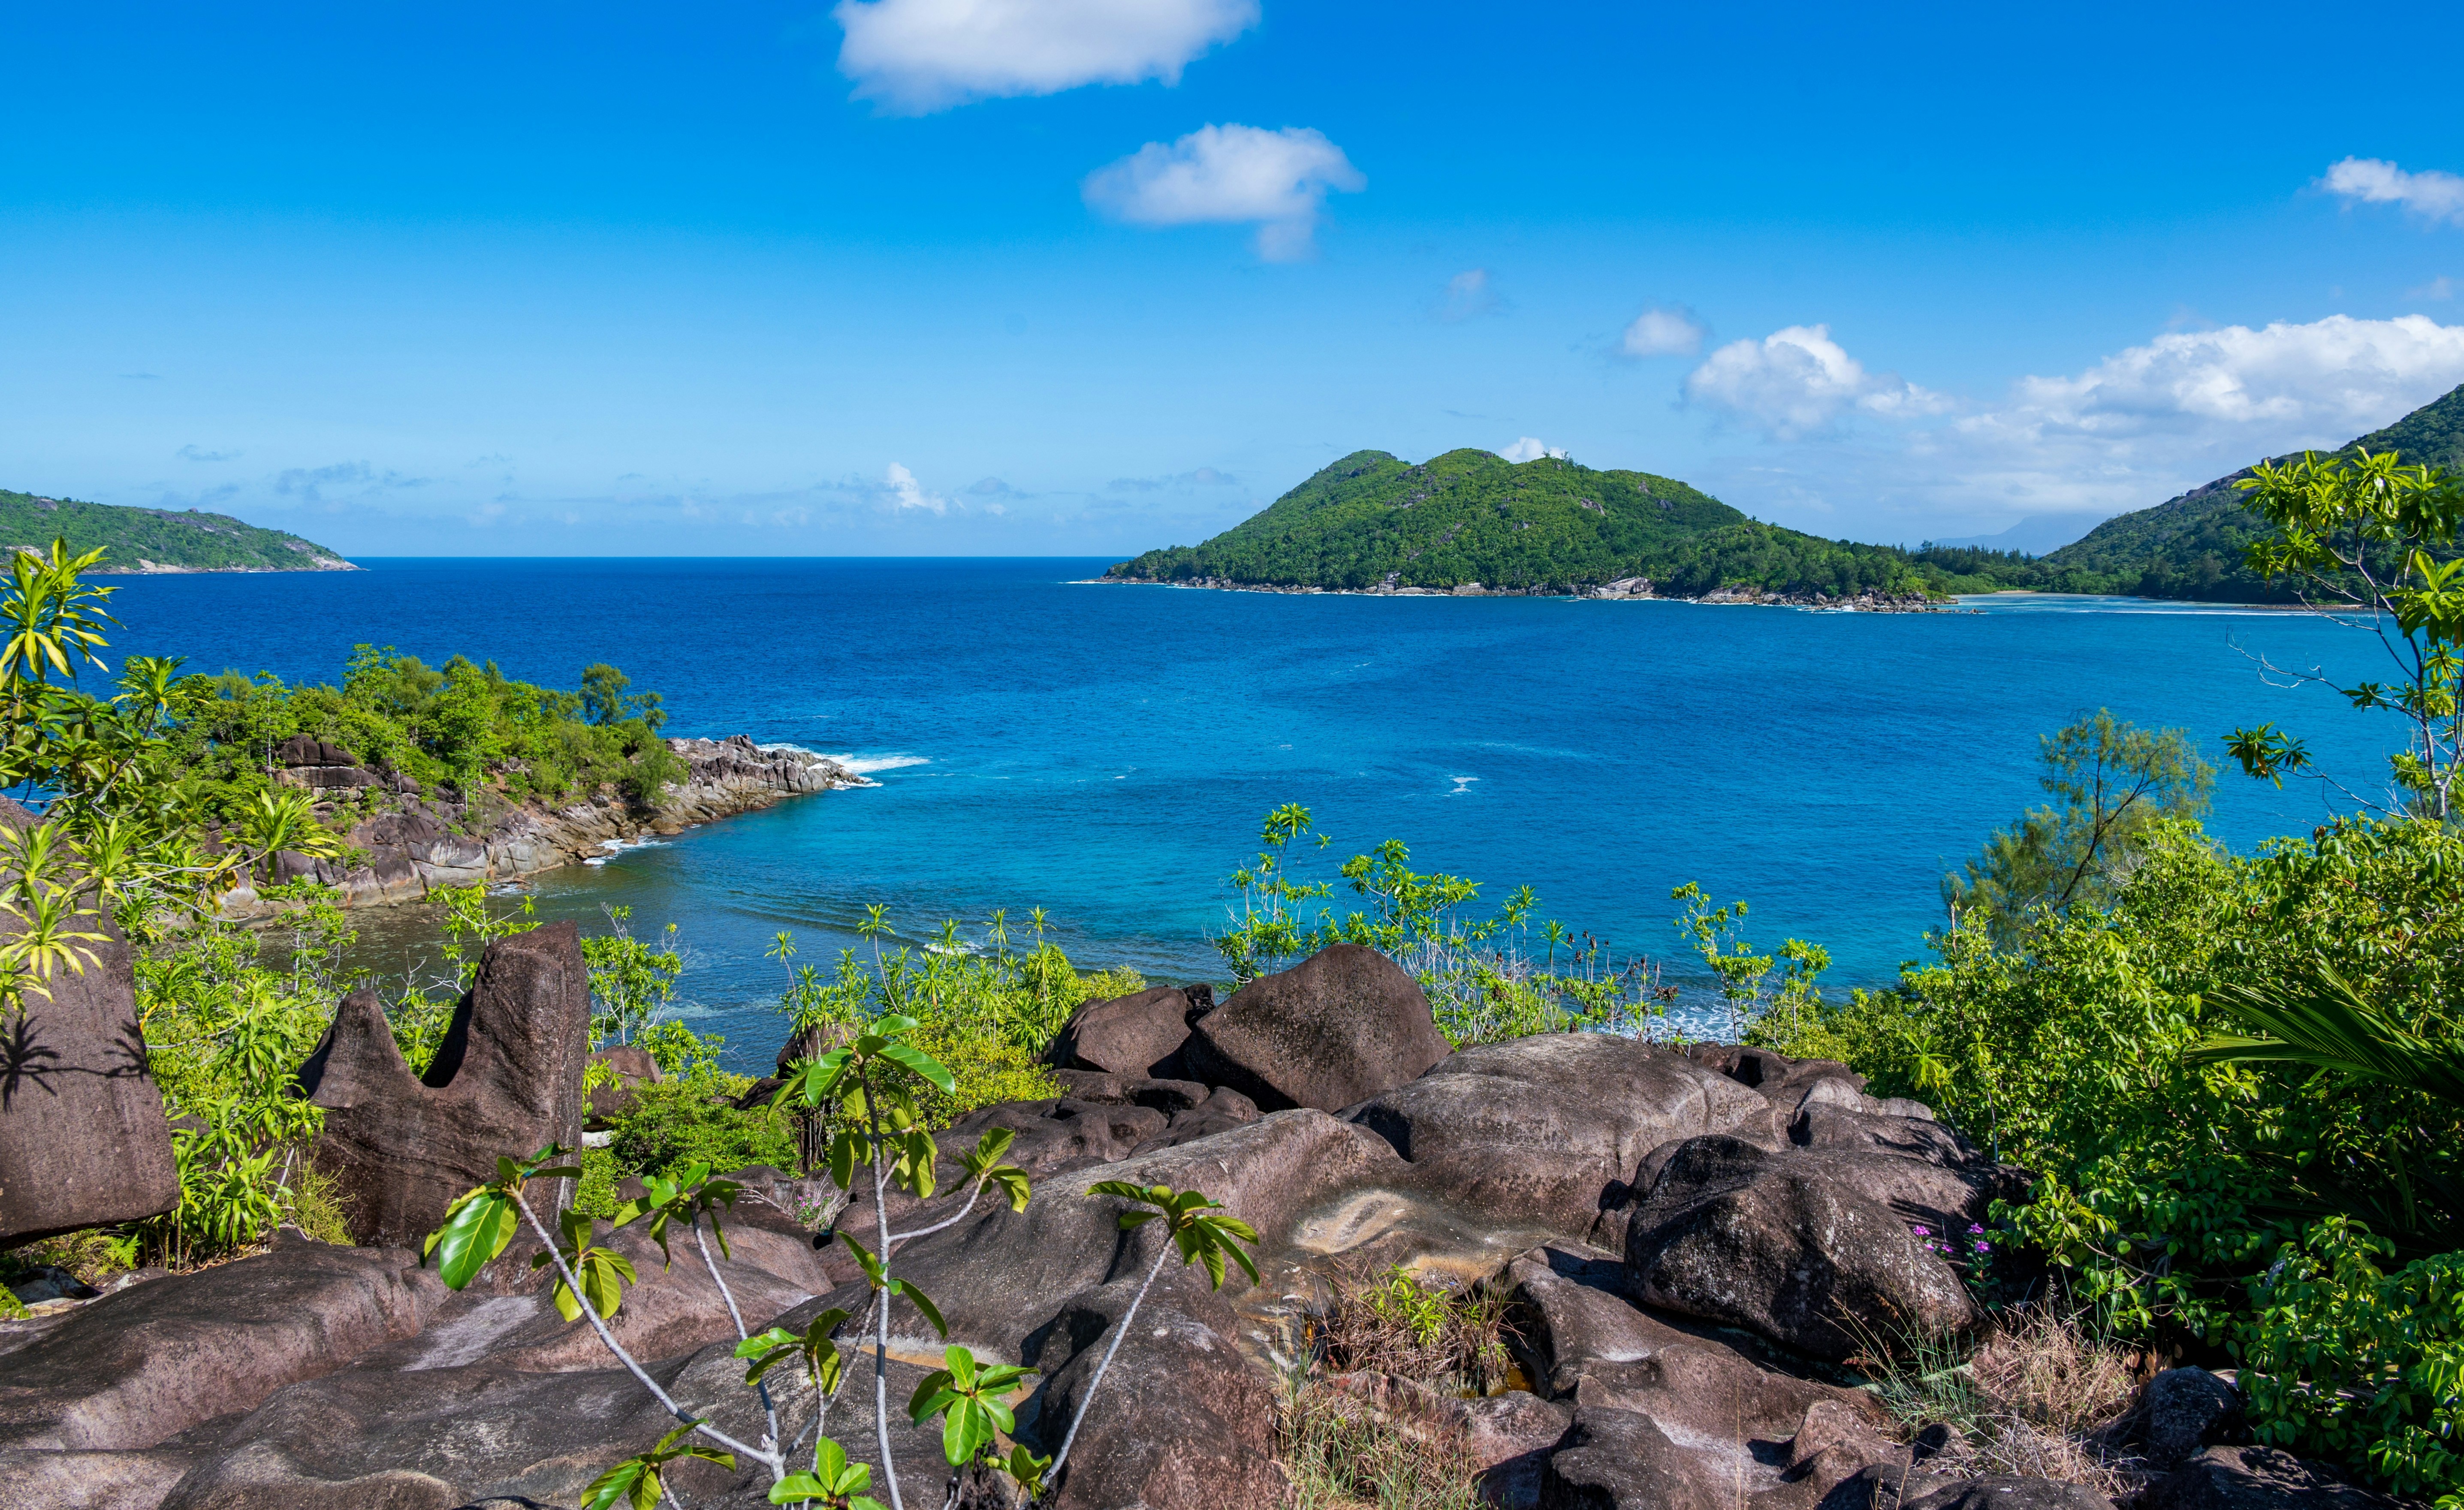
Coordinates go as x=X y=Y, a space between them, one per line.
x=1229 y=175
x=2138 y=427
x=1470 y=295
x=1662 y=331
x=906 y=493
x=2441 y=287
x=1530 y=447
x=1796 y=381
x=920 y=56
x=2435 y=195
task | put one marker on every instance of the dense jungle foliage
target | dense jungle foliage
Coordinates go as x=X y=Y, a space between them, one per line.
x=190 y=540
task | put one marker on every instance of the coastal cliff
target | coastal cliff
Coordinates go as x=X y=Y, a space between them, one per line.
x=411 y=841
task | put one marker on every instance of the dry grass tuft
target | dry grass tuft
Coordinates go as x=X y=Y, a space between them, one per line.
x=2039 y=1398
x=1343 y=1453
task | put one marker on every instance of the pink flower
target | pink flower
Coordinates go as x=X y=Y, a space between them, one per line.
x=1922 y=1232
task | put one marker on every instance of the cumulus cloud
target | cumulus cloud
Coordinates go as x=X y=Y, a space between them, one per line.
x=1530 y=447
x=1230 y=175
x=920 y=56
x=1669 y=331
x=2368 y=180
x=1798 y=382
x=2126 y=432
x=906 y=493
x=1468 y=295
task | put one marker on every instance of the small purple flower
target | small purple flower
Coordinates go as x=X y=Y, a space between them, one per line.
x=1922 y=1232
x=1972 y=1227
x=1984 y=1247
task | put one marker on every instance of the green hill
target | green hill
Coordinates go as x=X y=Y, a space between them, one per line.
x=157 y=540
x=1372 y=520
x=2191 y=546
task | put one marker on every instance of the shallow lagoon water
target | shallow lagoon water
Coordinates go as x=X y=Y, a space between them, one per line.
x=1106 y=751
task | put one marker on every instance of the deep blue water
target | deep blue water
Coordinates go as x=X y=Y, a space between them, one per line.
x=1106 y=751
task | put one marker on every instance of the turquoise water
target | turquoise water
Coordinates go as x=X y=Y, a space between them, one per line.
x=1106 y=751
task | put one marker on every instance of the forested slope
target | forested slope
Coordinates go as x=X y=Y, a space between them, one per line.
x=157 y=540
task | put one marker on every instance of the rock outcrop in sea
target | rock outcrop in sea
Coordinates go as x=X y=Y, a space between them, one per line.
x=1684 y=1241
x=418 y=839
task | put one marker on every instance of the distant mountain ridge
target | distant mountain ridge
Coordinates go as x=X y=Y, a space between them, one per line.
x=142 y=541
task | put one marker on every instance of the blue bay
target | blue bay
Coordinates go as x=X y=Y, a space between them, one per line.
x=1106 y=751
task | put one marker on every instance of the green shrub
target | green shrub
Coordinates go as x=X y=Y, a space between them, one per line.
x=2346 y=1360
x=679 y=1122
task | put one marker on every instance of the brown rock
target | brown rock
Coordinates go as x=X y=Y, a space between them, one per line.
x=506 y=1082
x=1138 y=1035
x=634 y=1068
x=1339 y=1027
x=82 y=1138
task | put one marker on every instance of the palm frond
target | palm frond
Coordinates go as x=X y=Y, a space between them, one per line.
x=2325 y=1024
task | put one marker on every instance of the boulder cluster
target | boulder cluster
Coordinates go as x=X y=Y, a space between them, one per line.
x=1687 y=1244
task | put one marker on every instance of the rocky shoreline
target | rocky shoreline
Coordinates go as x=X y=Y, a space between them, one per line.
x=1623 y=589
x=415 y=841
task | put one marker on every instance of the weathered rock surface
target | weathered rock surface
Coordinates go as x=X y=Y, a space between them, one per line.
x=1548 y=1130
x=506 y=1082
x=1727 y=1419
x=134 y=1368
x=1138 y=1035
x=2005 y=1493
x=2259 y=1478
x=82 y=1138
x=1339 y=1027
x=2183 y=1410
x=1184 y=1423
x=1622 y=1461
x=1788 y=1246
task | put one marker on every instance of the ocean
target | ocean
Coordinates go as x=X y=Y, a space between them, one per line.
x=1107 y=753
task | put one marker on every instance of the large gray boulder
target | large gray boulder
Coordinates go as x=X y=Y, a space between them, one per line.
x=2259 y=1478
x=1182 y=1422
x=1786 y=1246
x=1615 y=1459
x=1339 y=1027
x=136 y=1368
x=83 y=1142
x=1139 y=1035
x=1547 y=1130
x=1582 y=1341
x=506 y=1082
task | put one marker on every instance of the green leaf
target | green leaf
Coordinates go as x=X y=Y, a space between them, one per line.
x=635 y=1479
x=922 y=1064
x=923 y=1303
x=864 y=1257
x=1013 y=1183
x=477 y=1229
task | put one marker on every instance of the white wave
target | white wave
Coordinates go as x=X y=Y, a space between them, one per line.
x=1463 y=784
x=861 y=765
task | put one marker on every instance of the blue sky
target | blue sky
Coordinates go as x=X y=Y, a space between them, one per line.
x=1086 y=276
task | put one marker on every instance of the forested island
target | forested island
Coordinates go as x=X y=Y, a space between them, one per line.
x=1372 y=522
x=143 y=541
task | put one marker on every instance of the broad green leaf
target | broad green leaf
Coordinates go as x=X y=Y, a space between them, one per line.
x=634 y=1481
x=922 y=1064
x=923 y=1303
x=477 y=1229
